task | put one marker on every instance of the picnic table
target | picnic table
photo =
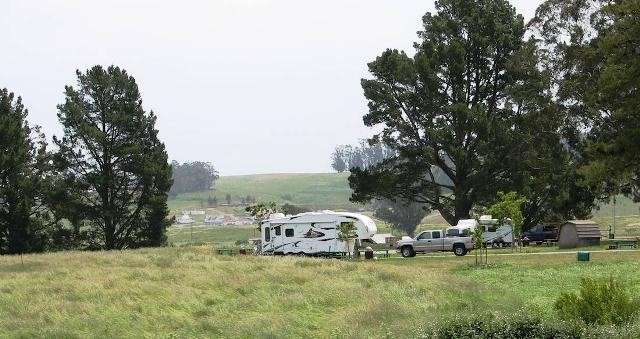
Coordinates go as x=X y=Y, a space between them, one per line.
x=624 y=242
x=384 y=253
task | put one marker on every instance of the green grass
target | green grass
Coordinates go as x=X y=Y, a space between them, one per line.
x=331 y=191
x=220 y=236
x=189 y=291
x=315 y=191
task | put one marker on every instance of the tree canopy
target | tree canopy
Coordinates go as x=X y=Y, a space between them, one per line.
x=23 y=162
x=193 y=176
x=111 y=158
x=593 y=50
x=460 y=106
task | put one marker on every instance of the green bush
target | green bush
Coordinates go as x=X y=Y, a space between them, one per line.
x=522 y=326
x=598 y=302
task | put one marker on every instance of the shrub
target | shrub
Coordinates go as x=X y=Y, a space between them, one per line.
x=598 y=302
x=522 y=326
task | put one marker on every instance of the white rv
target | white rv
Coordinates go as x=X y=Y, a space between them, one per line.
x=494 y=233
x=312 y=233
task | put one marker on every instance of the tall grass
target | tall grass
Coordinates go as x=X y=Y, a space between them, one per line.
x=190 y=291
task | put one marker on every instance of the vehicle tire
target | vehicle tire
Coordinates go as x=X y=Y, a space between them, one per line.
x=407 y=252
x=459 y=250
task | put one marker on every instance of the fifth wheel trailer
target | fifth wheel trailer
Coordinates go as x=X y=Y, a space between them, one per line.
x=314 y=233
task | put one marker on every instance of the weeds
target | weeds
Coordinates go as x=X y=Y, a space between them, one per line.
x=601 y=302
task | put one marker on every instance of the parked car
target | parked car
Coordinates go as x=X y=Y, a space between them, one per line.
x=434 y=241
x=539 y=234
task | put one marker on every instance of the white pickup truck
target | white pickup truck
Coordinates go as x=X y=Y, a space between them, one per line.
x=434 y=241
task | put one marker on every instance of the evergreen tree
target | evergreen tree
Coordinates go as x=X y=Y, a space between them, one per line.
x=455 y=109
x=593 y=47
x=112 y=160
x=23 y=216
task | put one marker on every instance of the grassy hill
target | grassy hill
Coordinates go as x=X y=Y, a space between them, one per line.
x=319 y=191
x=192 y=292
x=312 y=190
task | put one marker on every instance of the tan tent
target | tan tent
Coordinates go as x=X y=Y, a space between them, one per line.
x=578 y=233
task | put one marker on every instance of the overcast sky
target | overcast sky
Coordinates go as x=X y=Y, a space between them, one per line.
x=254 y=86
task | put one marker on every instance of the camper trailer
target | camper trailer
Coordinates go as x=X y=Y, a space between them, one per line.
x=494 y=233
x=313 y=233
x=184 y=219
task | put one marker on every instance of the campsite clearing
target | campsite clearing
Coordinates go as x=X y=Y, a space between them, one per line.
x=191 y=291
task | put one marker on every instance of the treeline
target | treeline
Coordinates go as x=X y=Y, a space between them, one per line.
x=104 y=184
x=547 y=109
x=361 y=156
x=193 y=176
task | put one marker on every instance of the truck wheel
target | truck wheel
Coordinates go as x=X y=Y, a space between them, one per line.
x=459 y=250
x=407 y=252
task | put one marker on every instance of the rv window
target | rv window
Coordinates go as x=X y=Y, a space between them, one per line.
x=278 y=230
x=288 y=232
x=492 y=228
x=267 y=234
x=435 y=234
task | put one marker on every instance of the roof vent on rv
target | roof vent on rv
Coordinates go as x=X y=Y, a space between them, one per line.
x=276 y=215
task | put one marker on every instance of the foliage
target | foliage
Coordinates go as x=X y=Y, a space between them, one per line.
x=592 y=47
x=402 y=215
x=111 y=162
x=192 y=177
x=365 y=155
x=212 y=201
x=261 y=211
x=509 y=206
x=478 y=243
x=24 y=220
x=346 y=233
x=598 y=302
x=462 y=105
x=290 y=209
x=520 y=326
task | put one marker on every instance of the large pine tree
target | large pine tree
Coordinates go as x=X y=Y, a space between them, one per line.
x=22 y=159
x=457 y=107
x=111 y=157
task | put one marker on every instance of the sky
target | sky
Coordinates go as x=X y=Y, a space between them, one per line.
x=253 y=86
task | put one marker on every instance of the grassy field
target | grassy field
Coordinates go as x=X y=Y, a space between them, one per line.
x=189 y=291
x=331 y=191
x=315 y=191
x=217 y=236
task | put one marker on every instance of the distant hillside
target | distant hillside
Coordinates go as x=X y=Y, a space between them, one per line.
x=313 y=190
x=318 y=191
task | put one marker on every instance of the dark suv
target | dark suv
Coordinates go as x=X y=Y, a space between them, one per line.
x=539 y=234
